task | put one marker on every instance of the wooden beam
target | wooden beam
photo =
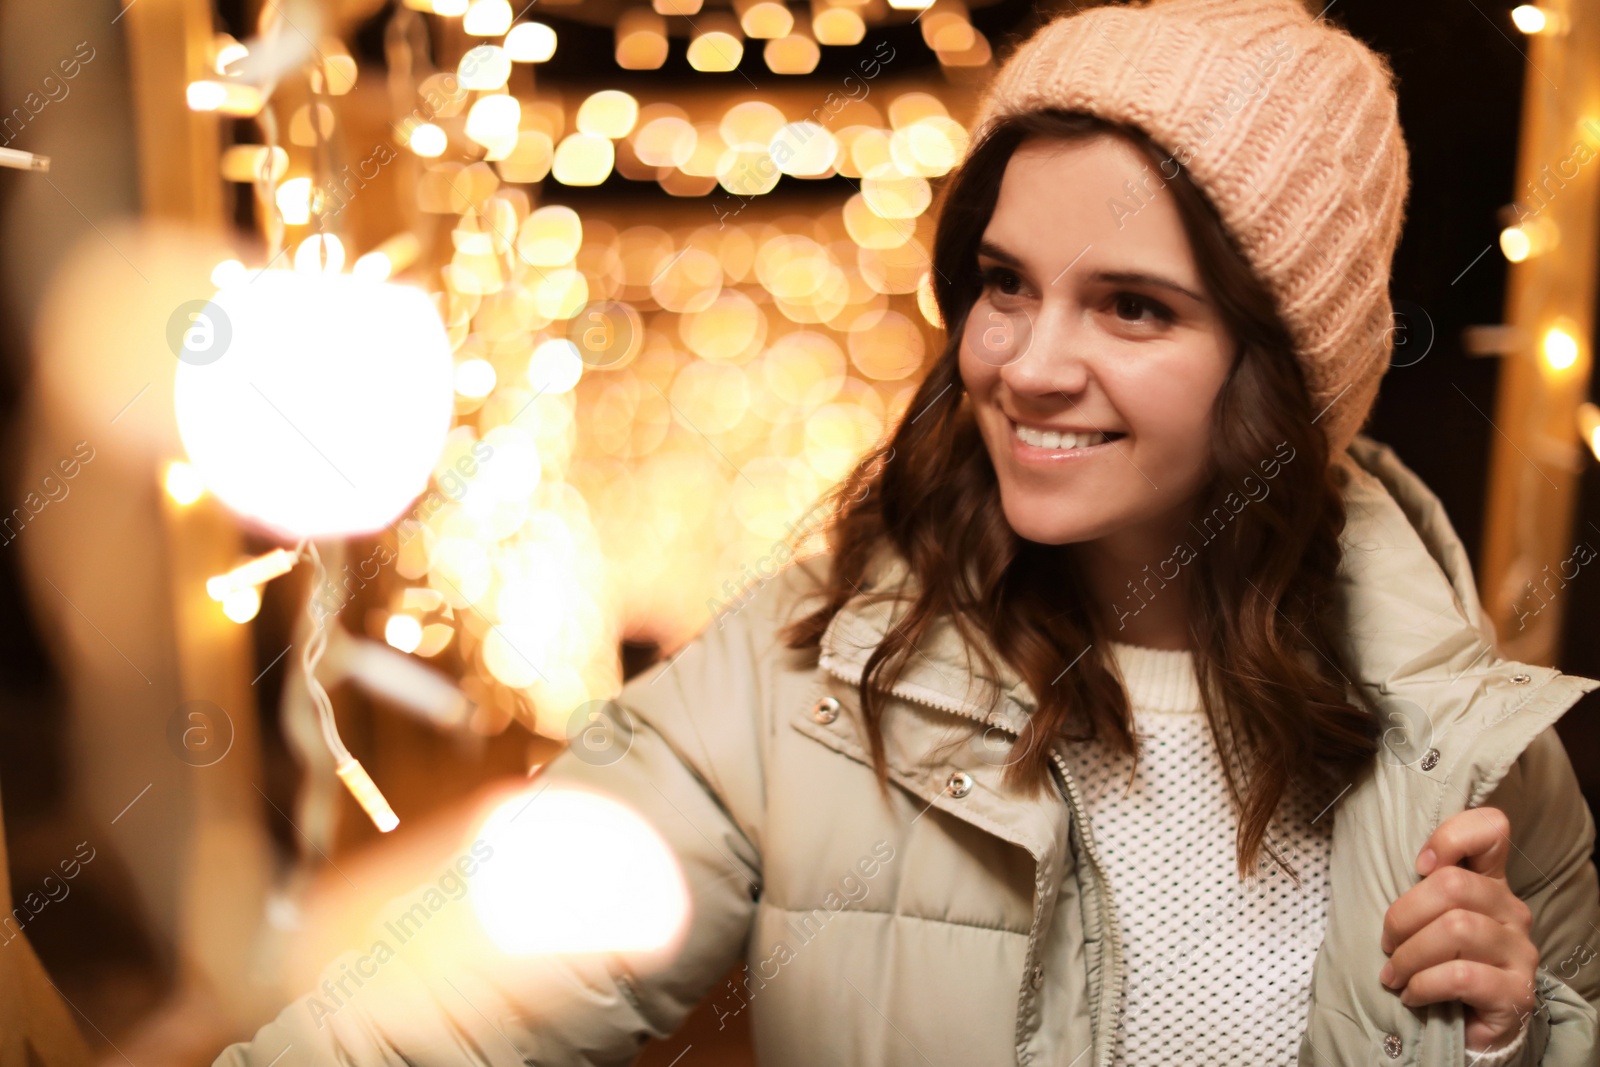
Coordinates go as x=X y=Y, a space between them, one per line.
x=1530 y=547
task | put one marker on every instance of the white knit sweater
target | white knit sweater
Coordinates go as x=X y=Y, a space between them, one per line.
x=1218 y=971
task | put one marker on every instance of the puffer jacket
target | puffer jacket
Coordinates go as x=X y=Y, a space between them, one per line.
x=912 y=932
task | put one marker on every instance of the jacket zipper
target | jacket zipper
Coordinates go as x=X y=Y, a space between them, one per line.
x=1114 y=1001
x=1110 y=998
x=953 y=706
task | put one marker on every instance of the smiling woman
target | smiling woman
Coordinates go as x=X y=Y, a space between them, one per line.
x=1295 y=808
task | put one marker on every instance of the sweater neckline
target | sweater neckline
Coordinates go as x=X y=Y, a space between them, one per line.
x=1158 y=679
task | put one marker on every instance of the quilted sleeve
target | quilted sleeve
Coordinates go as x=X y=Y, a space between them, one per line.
x=1551 y=868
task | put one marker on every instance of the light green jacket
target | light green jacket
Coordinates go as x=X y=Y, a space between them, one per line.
x=916 y=933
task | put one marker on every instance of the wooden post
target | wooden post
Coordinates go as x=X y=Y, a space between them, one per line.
x=1537 y=457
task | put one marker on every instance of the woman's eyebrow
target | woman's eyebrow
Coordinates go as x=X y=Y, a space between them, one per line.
x=1137 y=277
x=1116 y=277
x=995 y=252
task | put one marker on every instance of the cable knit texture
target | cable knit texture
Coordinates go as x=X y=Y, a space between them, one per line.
x=1218 y=970
x=1291 y=128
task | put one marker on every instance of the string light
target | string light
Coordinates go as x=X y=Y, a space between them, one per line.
x=487 y=18
x=428 y=140
x=225 y=50
x=403 y=632
x=241 y=605
x=608 y=113
x=836 y=24
x=1531 y=19
x=250 y=574
x=183 y=483
x=716 y=46
x=227 y=97
x=530 y=42
x=1560 y=349
x=485 y=68
x=1589 y=426
x=583 y=159
x=763 y=18
x=641 y=40
x=556 y=326
x=294 y=201
x=229 y=272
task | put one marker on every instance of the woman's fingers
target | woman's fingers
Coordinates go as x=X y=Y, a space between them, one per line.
x=1448 y=888
x=1461 y=933
x=1481 y=836
x=1457 y=935
x=1498 y=1000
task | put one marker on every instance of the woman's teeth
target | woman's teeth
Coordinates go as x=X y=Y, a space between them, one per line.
x=1052 y=439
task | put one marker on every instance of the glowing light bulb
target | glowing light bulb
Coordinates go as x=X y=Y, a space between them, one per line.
x=493 y=119
x=1514 y=244
x=428 y=141
x=183 y=483
x=555 y=366
x=530 y=42
x=294 y=201
x=365 y=790
x=1560 y=348
x=583 y=159
x=206 y=95
x=228 y=51
x=250 y=574
x=608 y=113
x=576 y=871
x=319 y=402
x=487 y=18
x=837 y=26
x=1529 y=18
x=485 y=68
x=715 y=51
x=475 y=378
x=227 y=97
x=403 y=632
x=229 y=272
x=241 y=605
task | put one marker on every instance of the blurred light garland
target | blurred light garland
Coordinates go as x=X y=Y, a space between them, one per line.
x=629 y=397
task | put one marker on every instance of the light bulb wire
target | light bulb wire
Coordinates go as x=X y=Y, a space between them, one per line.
x=267 y=182
x=311 y=656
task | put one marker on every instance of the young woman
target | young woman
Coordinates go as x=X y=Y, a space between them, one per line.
x=1140 y=710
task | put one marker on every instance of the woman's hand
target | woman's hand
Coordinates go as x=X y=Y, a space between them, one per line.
x=1462 y=934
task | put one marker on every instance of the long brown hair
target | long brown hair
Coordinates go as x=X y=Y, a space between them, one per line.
x=1273 y=689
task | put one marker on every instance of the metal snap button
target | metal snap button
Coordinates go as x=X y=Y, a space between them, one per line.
x=826 y=710
x=959 y=785
x=1430 y=759
x=1036 y=979
x=1520 y=679
x=1391 y=1045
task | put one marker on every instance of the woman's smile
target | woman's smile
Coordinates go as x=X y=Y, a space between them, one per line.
x=1031 y=444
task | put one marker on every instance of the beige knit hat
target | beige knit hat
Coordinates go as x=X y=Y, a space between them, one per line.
x=1289 y=126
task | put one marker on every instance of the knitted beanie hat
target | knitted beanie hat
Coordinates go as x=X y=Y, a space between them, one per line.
x=1287 y=123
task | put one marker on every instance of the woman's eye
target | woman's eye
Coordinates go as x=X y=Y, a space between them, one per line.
x=1129 y=307
x=1001 y=280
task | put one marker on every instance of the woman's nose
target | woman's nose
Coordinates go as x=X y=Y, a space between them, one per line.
x=1049 y=355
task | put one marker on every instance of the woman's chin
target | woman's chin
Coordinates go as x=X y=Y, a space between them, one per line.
x=1044 y=523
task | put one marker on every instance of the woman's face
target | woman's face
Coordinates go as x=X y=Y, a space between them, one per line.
x=1093 y=323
